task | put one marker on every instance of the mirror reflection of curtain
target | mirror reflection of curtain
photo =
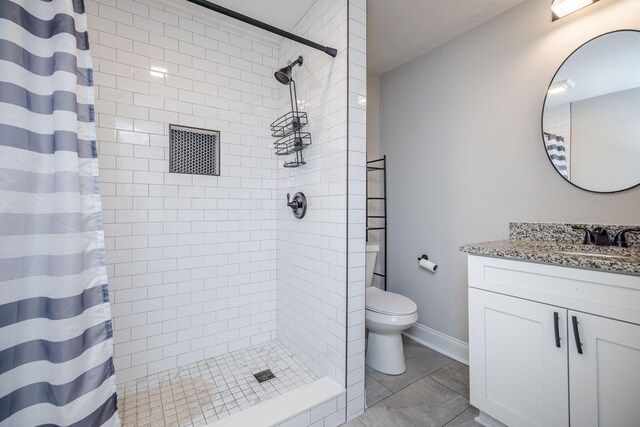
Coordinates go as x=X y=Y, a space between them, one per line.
x=557 y=153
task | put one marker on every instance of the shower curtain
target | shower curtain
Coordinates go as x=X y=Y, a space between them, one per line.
x=557 y=154
x=56 y=365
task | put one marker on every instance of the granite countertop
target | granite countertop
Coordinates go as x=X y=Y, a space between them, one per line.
x=547 y=252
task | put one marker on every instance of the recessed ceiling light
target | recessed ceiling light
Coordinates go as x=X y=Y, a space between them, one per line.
x=362 y=100
x=562 y=8
x=561 y=86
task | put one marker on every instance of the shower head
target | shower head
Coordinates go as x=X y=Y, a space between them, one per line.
x=283 y=75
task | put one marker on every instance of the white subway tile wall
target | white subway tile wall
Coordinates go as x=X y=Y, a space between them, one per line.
x=200 y=265
x=191 y=259
x=312 y=255
x=357 y=207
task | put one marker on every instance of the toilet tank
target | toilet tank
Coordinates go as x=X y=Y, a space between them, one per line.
x=372 y=254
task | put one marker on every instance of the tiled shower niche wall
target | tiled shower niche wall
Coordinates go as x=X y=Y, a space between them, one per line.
x=191 y=259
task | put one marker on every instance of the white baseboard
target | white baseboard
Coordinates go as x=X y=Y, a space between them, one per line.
x=442 y=343
x=488 y=421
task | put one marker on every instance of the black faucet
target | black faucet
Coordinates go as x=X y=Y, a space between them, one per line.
x=599 y=236
x=589 y=238
x=620 y=239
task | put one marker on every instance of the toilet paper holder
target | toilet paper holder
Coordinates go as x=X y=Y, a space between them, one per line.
x=424 y=262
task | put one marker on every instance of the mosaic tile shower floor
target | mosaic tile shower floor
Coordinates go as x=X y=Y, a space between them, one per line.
x=211 y=389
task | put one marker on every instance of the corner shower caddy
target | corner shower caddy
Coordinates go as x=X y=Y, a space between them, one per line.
x=379 y=165
x=288 y=127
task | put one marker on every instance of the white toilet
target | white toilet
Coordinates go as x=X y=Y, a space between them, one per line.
x=386 y=316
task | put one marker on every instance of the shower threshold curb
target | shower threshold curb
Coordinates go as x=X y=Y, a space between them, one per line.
x=281 y=408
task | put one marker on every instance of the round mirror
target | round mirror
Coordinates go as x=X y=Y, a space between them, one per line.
x=591 y=114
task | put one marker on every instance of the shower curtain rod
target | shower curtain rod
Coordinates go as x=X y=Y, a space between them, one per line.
x=235 y=15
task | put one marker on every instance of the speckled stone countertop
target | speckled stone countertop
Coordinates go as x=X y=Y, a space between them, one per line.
x=563 y=232
x=626 y=260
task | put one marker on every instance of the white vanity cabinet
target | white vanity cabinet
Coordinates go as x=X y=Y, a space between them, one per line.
x=525 y=364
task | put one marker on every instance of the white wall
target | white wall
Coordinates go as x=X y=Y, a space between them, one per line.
x=373 y=113
x=606 y=155
x=191 y=259
x=461 y=128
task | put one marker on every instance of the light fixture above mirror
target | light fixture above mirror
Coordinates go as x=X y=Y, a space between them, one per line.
x=562 y=8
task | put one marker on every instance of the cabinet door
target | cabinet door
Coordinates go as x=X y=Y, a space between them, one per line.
x=605 y=379
x=517 y=373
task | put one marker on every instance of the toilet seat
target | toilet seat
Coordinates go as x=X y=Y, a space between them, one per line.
x=389 y=303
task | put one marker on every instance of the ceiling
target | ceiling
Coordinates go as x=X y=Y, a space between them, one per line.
x=401 y=30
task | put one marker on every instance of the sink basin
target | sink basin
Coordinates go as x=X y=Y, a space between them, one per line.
x=591 y=254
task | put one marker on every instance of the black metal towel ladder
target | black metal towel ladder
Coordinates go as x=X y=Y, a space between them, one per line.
x=374 y=166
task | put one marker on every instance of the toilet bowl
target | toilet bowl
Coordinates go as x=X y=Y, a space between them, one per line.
x=387 y=314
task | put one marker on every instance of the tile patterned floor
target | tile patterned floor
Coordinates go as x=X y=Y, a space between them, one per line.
x=211 y=389
x=434 y=391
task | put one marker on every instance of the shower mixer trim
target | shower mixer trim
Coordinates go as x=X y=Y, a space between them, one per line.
x=298 y=205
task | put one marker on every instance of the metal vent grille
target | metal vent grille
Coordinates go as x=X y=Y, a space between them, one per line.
x=194 y=151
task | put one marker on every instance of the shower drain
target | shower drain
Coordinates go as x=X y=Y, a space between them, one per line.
x=264 y=376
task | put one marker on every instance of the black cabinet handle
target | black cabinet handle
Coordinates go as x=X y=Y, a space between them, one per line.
x=556 y=327
x=576 y=334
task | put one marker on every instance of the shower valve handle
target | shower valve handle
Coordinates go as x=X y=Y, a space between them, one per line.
x=293 y=205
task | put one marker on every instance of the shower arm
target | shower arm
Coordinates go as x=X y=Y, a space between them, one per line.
x=235 y=15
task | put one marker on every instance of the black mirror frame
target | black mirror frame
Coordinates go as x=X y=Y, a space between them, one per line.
x=544 y=143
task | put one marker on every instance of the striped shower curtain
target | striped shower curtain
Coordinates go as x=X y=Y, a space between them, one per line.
x=557 y=153
x=56 y=365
